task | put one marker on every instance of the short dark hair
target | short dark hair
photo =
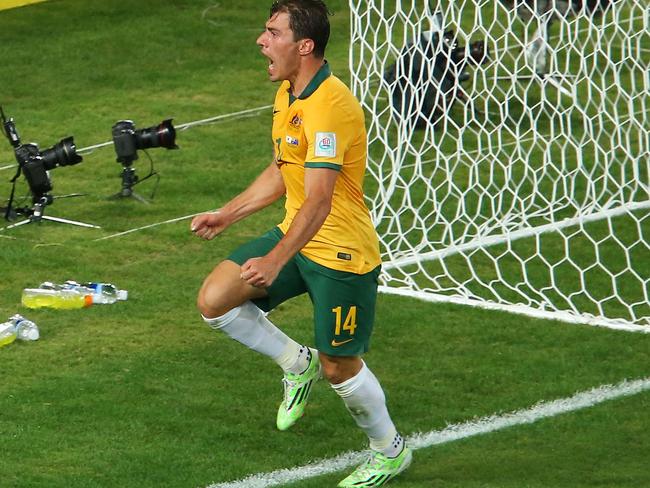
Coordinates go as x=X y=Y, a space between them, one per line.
x=308 y=19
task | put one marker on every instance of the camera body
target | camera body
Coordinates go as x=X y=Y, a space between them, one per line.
x=31 y=162
x=425 y=79
x=127 y=139
x=36 y=164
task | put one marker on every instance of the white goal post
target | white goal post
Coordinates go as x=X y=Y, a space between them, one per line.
x=509 y=152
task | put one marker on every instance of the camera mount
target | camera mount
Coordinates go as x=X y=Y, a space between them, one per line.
x=129 y=180
x=35 y=214
x=127 y=140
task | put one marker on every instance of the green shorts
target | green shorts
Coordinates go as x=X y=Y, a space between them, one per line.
x=344 y=303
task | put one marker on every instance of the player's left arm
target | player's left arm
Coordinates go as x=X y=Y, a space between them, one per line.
x=319 y=190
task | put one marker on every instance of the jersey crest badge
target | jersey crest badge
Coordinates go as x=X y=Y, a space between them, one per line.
x=296 y=120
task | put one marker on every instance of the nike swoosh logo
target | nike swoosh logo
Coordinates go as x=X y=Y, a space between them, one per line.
x=336 y=343
x=276 y=112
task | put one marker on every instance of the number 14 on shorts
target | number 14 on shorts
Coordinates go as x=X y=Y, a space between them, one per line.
x=350 y=322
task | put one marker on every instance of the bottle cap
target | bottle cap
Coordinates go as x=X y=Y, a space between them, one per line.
x=122 y=294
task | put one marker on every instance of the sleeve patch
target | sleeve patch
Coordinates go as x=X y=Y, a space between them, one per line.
x=325 y=144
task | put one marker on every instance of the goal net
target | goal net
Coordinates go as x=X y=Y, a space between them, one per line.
x=509 y=152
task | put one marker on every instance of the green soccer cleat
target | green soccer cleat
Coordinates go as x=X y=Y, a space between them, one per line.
x=378 y=470
x=297 y=388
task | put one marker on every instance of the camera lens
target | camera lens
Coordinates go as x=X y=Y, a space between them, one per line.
x=62 y=154
x=163 y=135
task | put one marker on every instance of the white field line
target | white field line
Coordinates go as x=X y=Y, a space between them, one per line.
x=450 y=433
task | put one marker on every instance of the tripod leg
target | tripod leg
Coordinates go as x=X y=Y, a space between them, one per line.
x=18 y=224
x=140 y=198
x=130 y=194
x=71 y=222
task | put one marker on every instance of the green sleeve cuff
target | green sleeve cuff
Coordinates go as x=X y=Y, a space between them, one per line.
x=334 y=166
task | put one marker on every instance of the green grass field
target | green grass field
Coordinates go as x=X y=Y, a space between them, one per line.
x=142 y=393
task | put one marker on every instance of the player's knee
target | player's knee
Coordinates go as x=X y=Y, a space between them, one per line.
x=337 y=370
x=334 y=373
x=331 y=373
x=223 y=290
x=208 y=301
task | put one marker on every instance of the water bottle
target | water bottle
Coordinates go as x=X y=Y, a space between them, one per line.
x=7 y=333
x=26 y=330
x=106 y=293
x=57 y=297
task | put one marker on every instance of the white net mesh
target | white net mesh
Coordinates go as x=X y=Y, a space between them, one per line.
x=513 y=174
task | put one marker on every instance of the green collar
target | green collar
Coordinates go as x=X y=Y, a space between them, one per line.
x=321 y=75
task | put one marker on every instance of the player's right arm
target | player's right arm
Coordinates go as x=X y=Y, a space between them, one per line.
x=265 y=190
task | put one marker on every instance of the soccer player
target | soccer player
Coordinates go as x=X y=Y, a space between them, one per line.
x=326 y=245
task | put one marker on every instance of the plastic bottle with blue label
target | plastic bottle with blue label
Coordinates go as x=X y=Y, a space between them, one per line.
x=71 y=295
x=18 y=327
x=26 y=330
x=106 y=293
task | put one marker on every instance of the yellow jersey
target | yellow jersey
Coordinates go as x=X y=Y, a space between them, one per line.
x=325 y=128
